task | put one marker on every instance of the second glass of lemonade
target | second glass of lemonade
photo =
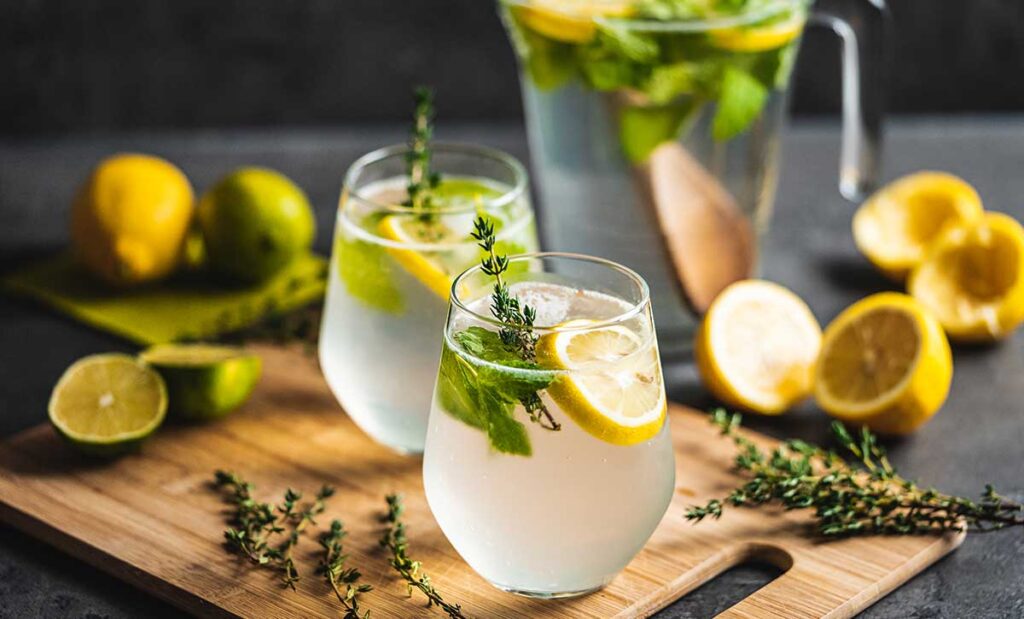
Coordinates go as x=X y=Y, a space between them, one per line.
x=391 y=271
x=549 y=474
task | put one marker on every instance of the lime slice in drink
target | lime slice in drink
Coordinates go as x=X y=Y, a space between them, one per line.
x=614 y=388
x=204 y=381
x=106 y=405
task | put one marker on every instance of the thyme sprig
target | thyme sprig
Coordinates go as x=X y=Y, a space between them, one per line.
x=422 y=179
x=257 y=527
x=332 y=568
x=394 y=540
x=518 y=336
x=864 y=495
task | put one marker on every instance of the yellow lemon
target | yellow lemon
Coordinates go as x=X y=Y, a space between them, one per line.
x=885 y=363
x=972 y=279
x=895 y=226
x=757 y=347
x=569 y=21
x=130 y=219
x=423 y=267
x=613 y=387
x=759 y=38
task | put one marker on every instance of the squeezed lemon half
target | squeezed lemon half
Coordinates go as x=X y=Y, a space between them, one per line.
x=613 y=389
x=896 y=225
x=972 y=279
x=757 y=347
x=885 y=363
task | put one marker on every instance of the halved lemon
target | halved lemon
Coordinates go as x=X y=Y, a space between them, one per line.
x=759 y=38
x=569 y=21
x=613 y=388
x=895 y=226
x=107 y=404
x=757 y=347
x=885 y=363
x=427 y=270
x=972 y=279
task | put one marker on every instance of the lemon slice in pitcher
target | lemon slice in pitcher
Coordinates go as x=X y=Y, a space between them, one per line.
x=106 y=405
x=759 y=38
x=885 y=363
x=569 y=21
x=613 y=388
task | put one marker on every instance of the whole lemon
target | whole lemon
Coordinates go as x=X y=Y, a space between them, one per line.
x=254 y=222
x=130 y=218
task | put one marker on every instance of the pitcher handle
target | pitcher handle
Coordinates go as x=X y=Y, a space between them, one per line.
x=863 y=33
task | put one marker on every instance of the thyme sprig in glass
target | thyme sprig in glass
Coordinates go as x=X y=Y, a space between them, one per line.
x=862 y=496
x=394 y=540
x=257 y=527
x=344 y=581
x=422 y=179
x=518 y=336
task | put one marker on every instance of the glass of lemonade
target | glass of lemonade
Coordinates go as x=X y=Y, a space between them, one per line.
x=654 y=128
x=552 y=499
x=391 y=272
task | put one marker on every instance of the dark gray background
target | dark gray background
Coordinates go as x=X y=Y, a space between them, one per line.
x=69 y=65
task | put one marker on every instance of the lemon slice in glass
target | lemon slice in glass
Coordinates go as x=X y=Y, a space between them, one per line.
x=569 y=21
x=757 y=346
x=408 y=229
x=204 y=381
x=759 y=38
x=885 y=363
x=973 y=279
x=613 y=387
x=895 y=226
x=106 y=405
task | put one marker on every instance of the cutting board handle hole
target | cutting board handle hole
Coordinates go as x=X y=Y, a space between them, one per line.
x=731 y=577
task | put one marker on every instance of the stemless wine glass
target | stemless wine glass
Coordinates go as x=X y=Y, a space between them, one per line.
x=535 y=510
x=390 y=274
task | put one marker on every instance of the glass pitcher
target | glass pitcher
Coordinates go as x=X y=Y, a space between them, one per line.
x=654 y=130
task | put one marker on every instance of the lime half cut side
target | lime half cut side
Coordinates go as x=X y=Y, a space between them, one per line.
x=106 y=405
x=205 y=381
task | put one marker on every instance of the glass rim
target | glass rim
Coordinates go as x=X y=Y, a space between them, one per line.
x=517 y=189
x=696 y=24
x=635 y=309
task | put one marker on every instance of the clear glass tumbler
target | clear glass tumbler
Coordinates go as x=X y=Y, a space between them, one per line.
x=390 y=274
x=654 y=129
x=539 y=511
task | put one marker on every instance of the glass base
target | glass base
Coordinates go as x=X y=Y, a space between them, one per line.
x=548 y=595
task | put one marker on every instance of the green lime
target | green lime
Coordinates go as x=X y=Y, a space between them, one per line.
x=254 y=222
x=106 y=405
x=204 y=381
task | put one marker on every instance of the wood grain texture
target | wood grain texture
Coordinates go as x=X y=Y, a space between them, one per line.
x=152 y=520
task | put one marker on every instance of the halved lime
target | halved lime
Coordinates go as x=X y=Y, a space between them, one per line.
x=205 y=381
x=106 y=405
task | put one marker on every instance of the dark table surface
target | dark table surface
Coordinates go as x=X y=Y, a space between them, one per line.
x=978 y=437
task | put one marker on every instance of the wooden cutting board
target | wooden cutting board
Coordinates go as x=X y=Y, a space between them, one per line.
x=151 y=520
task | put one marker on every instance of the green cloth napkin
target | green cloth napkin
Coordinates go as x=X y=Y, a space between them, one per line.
x=188 y=306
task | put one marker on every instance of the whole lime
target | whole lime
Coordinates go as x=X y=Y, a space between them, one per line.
x=254 y=222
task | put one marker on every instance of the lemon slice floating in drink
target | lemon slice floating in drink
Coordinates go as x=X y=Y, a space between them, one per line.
x=408 y=229
x=885 y=363
x=973 y=279
x=759 y=38
x=757 y=346
x=106 y=405
x=569 y=21
x=613 y=388
x=204 y=381
x=895 y=226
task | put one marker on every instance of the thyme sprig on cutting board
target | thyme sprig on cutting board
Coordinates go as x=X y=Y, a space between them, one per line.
x=333 y=569
x=860 y=496
x=393 y=539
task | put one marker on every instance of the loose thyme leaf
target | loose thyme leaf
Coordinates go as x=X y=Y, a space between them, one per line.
x=860 y=497
x=394 y=540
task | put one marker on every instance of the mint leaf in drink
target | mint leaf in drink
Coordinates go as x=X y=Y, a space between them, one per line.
x=741 y=101
x=548 y=63
x=644 y=128
x=457 y=389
